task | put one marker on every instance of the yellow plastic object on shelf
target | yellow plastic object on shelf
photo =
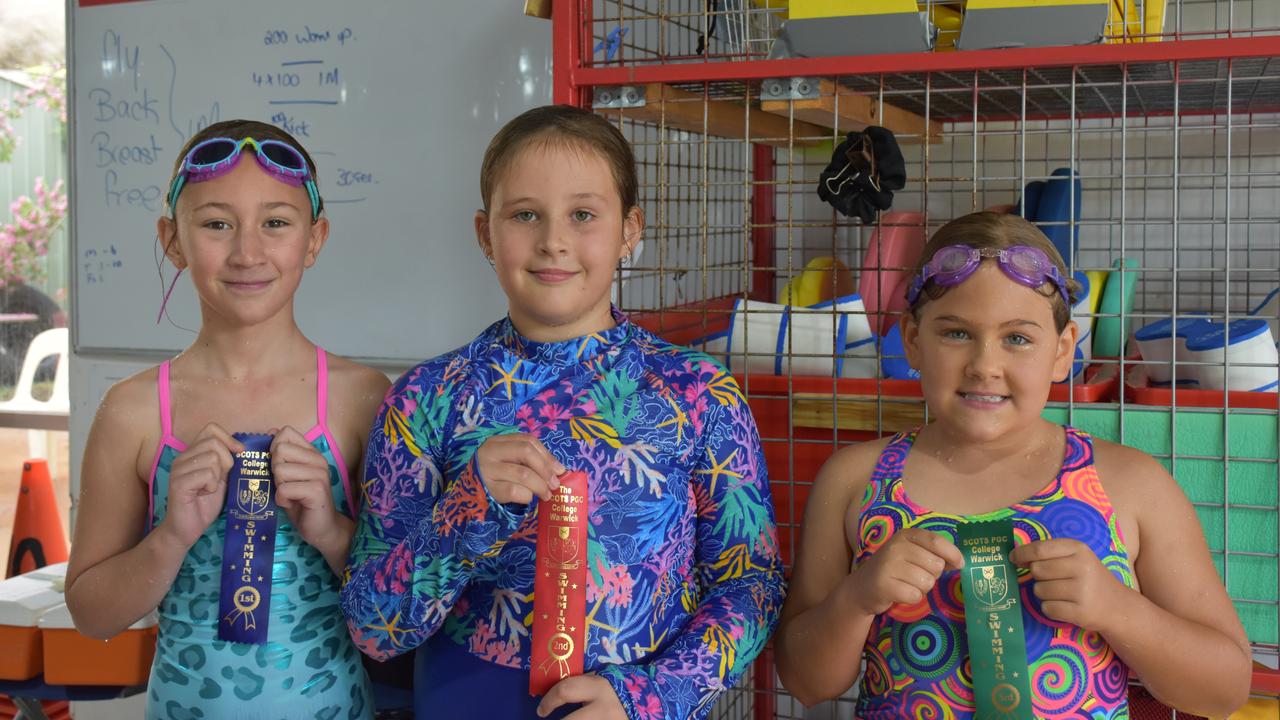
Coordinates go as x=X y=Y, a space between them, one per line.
x=823 y=278
x=947 y=19
x=1124 y=22
x=1258 y=708
x=802 y=9
x=1152 y=19
x=994 y=4
x=538 y=8
x=1097 y=282
x=781 y=8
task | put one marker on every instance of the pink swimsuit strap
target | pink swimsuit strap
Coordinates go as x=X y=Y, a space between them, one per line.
x=320 y=429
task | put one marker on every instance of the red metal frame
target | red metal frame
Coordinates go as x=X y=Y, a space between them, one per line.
x=763 y=220
x=1194 y=112
x=568 y=18
x=571 y=83
x=1004 y=58
x=766 y=690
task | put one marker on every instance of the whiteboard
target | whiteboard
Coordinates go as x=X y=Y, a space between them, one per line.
x=395 y=99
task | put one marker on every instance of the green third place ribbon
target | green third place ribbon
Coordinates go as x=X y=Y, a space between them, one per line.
x=993 y=618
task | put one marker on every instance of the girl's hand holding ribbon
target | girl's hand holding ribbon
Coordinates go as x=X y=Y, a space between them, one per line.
x=302 y=491
x=198 y=484
x=594 y=693
x=904 y=570
x=516 y=467
x=1070 y=581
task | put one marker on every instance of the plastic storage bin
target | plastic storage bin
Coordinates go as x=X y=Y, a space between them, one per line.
x=24 y=599
x=74 y=659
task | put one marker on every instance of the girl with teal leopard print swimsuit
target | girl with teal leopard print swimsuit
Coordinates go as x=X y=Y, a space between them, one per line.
x=153 y=532
x=308 y=667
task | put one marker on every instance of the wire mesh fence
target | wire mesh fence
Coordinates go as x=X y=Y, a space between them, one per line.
x=1157 y=176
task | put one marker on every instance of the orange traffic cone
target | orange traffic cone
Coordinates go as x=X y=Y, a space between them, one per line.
x=37 y=541
x=37 y=532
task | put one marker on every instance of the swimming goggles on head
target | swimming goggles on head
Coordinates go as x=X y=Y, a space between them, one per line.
x=953 y=264
x=215 y=156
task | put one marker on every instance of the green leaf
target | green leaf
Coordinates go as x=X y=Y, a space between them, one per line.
x=614 y=397
x=742 y=513
x=436 y=577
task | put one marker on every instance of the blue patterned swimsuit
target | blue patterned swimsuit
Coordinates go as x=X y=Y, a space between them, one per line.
x=684 y=581
x=308 y=668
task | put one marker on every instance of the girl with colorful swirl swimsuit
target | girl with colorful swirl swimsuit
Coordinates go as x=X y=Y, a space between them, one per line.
x=1113 y=572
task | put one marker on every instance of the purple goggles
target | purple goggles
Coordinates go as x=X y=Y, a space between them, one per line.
x=216 y=156
x=953 y=264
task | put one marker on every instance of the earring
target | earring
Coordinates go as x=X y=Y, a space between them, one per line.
x=491 y=265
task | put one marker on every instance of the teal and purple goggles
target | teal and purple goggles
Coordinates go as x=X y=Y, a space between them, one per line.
x=215 y=156
x=953 y=264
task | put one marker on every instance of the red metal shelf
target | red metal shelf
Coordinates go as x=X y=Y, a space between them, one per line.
x=1144 y=79
x=963 y=60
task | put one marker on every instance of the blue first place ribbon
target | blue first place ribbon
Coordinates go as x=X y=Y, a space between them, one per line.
x=244 y=601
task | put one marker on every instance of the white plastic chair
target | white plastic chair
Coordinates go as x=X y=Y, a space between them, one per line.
x=55 y=343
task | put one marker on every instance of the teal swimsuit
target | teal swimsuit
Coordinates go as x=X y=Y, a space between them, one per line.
x=308 y=668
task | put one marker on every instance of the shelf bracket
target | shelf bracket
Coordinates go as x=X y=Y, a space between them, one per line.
x=828 y=104
x=620 y=96
x=673 y=107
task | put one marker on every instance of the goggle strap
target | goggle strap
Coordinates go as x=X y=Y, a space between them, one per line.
x=174 y=189
x=165 y=302
x=314 y=194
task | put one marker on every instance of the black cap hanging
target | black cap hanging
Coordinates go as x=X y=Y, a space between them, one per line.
x=865 y=171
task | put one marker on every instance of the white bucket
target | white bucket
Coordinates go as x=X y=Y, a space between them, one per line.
x=1241 y=358
x=714 y=344
x=814 y=340
x=1164 y=342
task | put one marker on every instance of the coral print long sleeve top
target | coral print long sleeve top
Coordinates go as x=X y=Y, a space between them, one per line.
x=684 y=583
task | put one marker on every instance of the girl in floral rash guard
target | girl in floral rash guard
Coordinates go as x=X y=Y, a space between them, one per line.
x=683 y=581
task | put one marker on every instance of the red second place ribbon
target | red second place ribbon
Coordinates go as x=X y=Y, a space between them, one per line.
x=560 y=589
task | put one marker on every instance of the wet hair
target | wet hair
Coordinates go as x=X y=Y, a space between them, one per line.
x=996 y=230
x=239 y=130
x=563 y=125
